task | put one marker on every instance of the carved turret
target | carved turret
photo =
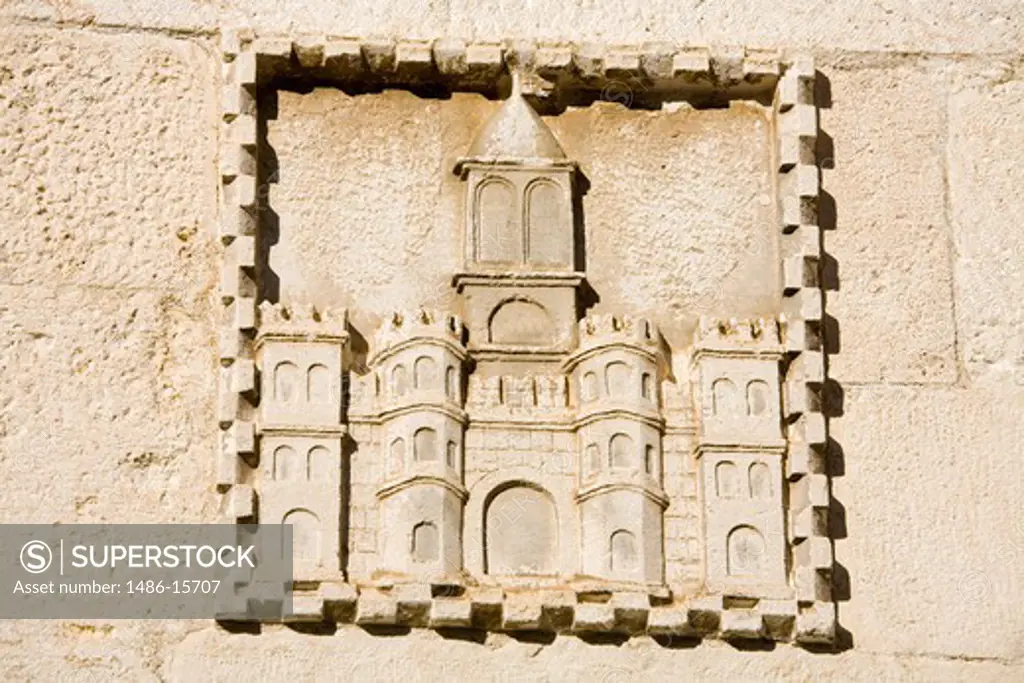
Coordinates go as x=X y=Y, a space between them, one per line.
x=421 y=369
x=519 y=282
x=301 y=352
x=740 y=449
x=615 y=375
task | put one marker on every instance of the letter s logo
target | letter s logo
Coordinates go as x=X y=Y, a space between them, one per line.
x=36 y=557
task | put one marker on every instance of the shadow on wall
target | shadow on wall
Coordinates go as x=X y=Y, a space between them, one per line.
x=832 y=392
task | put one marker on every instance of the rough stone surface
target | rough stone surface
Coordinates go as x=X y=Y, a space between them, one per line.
x=992 y=26
x=676 y=216
x=984 y=123
x=107 y=330
x=949 y=569
x=892 y=291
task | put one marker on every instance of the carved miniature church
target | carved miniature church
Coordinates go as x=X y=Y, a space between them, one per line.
x=518 y=440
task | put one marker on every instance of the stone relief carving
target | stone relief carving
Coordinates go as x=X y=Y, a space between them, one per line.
x=516 y=446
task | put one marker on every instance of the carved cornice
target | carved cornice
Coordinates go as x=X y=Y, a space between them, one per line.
x=406 y=482
x=607 y=484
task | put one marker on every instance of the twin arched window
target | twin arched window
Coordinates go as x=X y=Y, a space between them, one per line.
x=527 y=228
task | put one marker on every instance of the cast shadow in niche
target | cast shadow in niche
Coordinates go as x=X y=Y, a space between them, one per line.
x=268 y=223
x=832 y=394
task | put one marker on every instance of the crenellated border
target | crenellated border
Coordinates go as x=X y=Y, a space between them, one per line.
x=617 y=73
x=238 y=234
x=796 y=131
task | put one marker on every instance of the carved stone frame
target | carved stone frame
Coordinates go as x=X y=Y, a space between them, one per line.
x=251 y=62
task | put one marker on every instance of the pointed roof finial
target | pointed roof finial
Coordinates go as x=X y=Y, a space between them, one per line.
x=517 y=84
x=515 y=133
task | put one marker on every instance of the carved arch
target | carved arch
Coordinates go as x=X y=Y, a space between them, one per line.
x=745 y=552
x=497 y=234
x=305 y=533
x=547 y=237
x=286 y=382
x=520 y=321
x=520 y=530
x=480 y=495
x=318 y=384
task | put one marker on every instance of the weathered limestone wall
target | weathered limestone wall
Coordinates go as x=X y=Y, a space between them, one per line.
x=108 y=141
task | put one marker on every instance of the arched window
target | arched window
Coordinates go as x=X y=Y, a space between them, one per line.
x=318 y=384
x=498 y=234
x=727 y=483
x=424 y=444
x=746 y=549
x=758 y=398
x=305 y=534
x=425 y=371
x=318 y=464
x=425 y=543
x=760 y=480
x=286 y=464
x=286 y=382
x=646 y=386
x=397 y=460
x=621 y=451
x=547 y=233
x=589 y=387
x=450 y=383
x=617 y=379
x=725 y=397
x=399 y=381
x=521 y=532
x=521 y=323
x=623 y=553
x=452 y=454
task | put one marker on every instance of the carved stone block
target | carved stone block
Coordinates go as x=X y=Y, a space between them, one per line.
x=506 y=460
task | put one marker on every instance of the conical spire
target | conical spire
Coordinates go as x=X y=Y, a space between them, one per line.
x=515 y=133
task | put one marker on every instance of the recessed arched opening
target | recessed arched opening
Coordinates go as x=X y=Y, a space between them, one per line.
x=725 y=397
x=620 y=449
x=424 y=445
x=758 y=398
x=760 y=480
x=318 y=384
x=396 y=459
x=746 y=552
x=425 y=373
x=318 y=464
x=426 y=546
x=286 y=464
x=520 y=531
x=399 y=381
x=727 y=483
x=451 y=384
x=521 y=322
x=616 y=375
x=623 y=554
x=547 y=234
x=497 y=235
x=588 y=387
x=286 y=382
x=305 y=534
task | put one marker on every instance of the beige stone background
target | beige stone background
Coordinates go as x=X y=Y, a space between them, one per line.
x=108 y=267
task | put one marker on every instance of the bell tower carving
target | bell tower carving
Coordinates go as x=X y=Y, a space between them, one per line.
x=519 y=283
